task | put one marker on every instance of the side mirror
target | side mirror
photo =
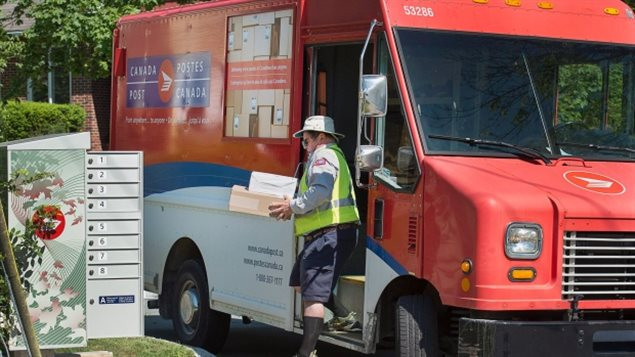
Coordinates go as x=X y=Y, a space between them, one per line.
x=370 y=158
x=374 y=95
x=405 y=159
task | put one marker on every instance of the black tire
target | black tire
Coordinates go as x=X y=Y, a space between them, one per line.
x=194 y=322
x=416 y=327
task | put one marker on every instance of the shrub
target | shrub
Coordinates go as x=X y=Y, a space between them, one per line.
x=19 y=120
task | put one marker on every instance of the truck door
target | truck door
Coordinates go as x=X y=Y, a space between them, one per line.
x=394 y=201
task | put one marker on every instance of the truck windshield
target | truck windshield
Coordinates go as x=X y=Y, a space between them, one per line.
x=554 y=98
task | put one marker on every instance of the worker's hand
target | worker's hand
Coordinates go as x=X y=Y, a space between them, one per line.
x=281 y=210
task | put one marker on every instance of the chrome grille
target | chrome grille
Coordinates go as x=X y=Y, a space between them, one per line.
x=599 y=265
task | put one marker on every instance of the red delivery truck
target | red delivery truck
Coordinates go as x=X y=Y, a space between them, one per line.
x=493 y=143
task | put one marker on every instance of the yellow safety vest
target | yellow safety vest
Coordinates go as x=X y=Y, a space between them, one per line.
x=342 y=207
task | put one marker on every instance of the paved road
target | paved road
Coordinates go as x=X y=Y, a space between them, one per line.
x=253 y=340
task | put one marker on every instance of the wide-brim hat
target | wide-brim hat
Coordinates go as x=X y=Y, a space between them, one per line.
x=319 y=123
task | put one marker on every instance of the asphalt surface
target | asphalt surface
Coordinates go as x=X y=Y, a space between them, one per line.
x=251 y=340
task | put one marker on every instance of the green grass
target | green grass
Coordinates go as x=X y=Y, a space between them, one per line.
x=133 y=347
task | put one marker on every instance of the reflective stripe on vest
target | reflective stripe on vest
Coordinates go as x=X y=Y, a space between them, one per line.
x=341 y=208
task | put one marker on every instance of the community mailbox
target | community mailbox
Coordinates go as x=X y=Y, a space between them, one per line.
x=64 y=264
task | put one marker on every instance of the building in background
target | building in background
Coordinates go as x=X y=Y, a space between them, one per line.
x=59 y=87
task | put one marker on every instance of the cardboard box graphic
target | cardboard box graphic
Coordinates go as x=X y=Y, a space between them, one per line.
x=264 y=121
x=247 y=52
x=250 y=20
x=280 y=131
x=253 y=125
x=262 y=40
x=229 y=121
x=241 y=125
x=250 y=102
x=266 y=18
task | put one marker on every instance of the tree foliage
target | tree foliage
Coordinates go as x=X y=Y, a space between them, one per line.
x=75 y=35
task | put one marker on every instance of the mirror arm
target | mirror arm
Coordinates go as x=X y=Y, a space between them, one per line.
x=360 y=97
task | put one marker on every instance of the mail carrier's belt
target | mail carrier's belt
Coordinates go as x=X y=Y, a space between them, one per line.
x=318 y=232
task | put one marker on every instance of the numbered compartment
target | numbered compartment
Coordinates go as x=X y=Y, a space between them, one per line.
x=112 y=160
x=113 y=242
x=113 y=204
x=113 y=271
x=109 y=303
x=113 y=190
x=113 y=257
x=113 y=227
x=113 y=175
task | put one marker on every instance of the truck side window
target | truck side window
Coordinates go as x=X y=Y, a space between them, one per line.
x=259 y=57
x=400 y=171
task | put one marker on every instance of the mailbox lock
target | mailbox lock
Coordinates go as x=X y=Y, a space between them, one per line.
x=90 y=176
x=90 y=161
x=90 y=243
x=92 y=301
x=90 y=228
x=90 y=257
x=90 y=190
x=91 y=272
x=90 y=205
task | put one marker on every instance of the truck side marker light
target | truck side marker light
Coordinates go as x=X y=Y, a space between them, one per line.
x=465 y=285
x=522 y=274
x=513 y=2
x=611 y=11
x=546 y=5
x=466 y=266
x=481 y=1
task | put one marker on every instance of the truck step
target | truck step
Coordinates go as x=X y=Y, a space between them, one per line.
x=350 y=294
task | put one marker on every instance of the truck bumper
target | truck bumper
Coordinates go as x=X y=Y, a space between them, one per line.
x=481 y=337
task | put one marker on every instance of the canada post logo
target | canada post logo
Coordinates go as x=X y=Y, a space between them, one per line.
x=181 y=80
x=594 y=182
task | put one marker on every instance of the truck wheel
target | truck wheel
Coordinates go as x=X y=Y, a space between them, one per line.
x=416 y=327
x=194 y=322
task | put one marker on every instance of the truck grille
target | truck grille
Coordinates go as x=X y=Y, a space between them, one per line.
x=598 y=265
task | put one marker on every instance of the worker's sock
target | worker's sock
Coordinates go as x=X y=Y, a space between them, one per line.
x=312 y=329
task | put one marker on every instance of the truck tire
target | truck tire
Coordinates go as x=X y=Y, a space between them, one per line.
x=416 y=327
x=194 y=322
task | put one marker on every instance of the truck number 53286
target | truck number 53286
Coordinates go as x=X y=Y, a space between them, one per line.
x=418 y=11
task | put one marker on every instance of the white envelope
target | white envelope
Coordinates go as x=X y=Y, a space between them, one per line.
x=272 y=184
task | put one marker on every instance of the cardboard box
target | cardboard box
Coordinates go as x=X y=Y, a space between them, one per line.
x=229 y=121
x=284 y=46
x=284 y=13
x=250 y=20
x=234 y=56
x=280 y=131
x=285 y=112
x=242 y=200
x=236 y=26
x=263 y=182
x=278 y=109
x=247 y=52
x=262 y=40
x=249 y=102
x=267 y=97
x=241 y=125
x=264 y=121
x=275 y=38
x=266 y=18
x=238 y=101
x=253 y=125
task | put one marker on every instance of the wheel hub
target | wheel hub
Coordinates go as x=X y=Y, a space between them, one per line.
x=189 y=305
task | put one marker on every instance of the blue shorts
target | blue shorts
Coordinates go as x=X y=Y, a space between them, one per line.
x=319 y=264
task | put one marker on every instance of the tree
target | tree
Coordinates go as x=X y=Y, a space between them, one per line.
x=71 y=35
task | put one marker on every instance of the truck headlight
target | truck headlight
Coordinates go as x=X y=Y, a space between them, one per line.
x=523 y=240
